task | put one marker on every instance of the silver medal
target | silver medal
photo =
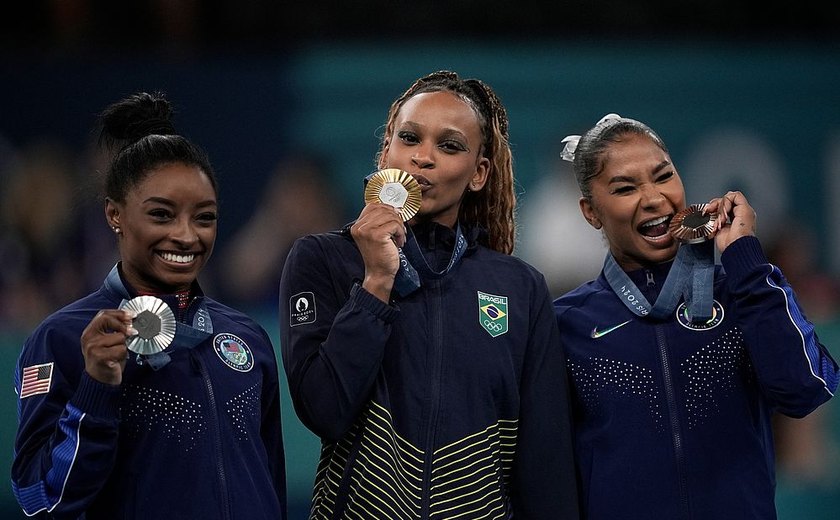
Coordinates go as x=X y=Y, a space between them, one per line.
x=154 y=322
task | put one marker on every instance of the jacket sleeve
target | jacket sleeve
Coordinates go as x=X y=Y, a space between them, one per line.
x=795 y=371
x=66 y=440
x=332 y=334
x=544 y=483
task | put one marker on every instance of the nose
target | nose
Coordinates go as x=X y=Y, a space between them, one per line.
x=422 y=157
x=652 y=197
x=184 y=233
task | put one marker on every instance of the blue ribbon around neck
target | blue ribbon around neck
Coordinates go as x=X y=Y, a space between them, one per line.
x=691 y=277
x=407 y=279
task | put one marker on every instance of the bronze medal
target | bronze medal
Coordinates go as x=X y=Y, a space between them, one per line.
x=396 y=188
x=692 y=226
x=154 y=322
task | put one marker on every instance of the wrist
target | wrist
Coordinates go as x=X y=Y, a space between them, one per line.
x=379 y=286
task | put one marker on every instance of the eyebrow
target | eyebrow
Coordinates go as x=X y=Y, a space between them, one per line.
x=447 y=132
x=167 y=202
x=626 y=178
x=663 y=164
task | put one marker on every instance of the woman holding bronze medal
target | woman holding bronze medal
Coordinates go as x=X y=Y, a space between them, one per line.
x=171 y=409
x=676 y=364
x=417 y=348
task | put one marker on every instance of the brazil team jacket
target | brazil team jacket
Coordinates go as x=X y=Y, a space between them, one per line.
x=450 y=402
x=672 y=419
x=200 y=438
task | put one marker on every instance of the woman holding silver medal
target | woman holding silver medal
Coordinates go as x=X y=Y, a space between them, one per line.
x=417 y=348
x=171 y=409
x=676 y=364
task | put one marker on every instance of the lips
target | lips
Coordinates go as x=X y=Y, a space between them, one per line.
x=424 y=183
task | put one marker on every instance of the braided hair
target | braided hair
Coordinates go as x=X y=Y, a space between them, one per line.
x=492 y=208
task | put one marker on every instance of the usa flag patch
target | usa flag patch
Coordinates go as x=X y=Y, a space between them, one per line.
x=36 y=380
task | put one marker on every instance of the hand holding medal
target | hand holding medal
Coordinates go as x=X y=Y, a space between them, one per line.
x=380 y=228
x=735 y=218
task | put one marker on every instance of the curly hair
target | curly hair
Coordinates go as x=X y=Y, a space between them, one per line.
x=492 y=208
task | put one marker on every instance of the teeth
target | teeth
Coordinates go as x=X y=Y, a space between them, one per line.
x=655 y=222
x=181 y=259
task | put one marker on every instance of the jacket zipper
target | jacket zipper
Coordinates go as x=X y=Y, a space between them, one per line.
x=671 y=399
x=676 y=434
x=217 y=438
x=436 y=334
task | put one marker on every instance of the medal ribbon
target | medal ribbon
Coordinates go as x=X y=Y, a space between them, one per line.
x=407 y=279
x=691 y=277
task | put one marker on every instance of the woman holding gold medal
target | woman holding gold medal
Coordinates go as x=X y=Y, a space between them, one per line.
x=417 y=348
x=676 y=364
x=171 y=408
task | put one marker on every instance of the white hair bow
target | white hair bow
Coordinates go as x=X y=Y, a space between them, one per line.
x=568 y=153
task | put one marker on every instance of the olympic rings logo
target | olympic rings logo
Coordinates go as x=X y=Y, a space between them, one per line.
x=492 y=325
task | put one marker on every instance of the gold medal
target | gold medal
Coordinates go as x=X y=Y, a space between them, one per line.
x=154 y=322
x=396 y=188
x=692 y=226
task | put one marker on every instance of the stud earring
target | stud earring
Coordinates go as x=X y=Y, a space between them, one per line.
x=116 y=229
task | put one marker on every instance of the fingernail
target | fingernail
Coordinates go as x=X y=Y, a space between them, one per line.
x=132 y=331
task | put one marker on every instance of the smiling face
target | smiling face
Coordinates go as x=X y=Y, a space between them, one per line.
x=437 y=139
x=633 y=200
x=167 y=228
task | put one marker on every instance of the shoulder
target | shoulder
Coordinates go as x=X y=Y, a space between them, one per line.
x=78 y=313
x=63 y=328
x=337 y=238
x=312 y=246
x=579 y=297
x=511 y=265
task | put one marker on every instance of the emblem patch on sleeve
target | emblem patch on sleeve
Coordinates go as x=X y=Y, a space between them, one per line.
x=36 y=380
x=302 y=309
x=493 y=313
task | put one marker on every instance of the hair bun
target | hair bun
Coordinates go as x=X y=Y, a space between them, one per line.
x=137 y=116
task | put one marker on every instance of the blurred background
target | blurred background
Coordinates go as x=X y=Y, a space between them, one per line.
x=289 y=101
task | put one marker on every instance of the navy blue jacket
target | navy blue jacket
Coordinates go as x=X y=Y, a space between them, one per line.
x=199 y=438
x=449 y=401
x=673 y=420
